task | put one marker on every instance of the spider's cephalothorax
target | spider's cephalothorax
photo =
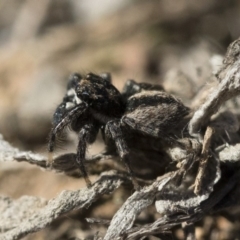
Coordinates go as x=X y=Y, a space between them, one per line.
x=93 y=103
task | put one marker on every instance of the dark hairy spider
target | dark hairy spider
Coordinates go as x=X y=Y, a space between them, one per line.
x=92 y=103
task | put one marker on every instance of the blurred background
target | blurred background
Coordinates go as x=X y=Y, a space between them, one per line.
x=170 y=42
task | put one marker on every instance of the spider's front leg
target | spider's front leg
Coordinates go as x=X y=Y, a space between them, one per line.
x=114 y=128
x=87 y=135
x=60 y=121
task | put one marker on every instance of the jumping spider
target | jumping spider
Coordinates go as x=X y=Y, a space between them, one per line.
x=92 y=103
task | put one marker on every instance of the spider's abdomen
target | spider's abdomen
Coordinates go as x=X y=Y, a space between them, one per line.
x=154 y=112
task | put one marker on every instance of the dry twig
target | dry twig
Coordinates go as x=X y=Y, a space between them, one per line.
x=229 y=87
x=51 y=210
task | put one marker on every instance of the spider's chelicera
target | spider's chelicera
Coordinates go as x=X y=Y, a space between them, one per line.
x=93 y=103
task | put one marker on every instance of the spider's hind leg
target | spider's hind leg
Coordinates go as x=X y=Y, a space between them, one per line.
x=113 y=127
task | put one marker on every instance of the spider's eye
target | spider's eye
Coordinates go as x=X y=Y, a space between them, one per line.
x=83 y=95
x=73 y=80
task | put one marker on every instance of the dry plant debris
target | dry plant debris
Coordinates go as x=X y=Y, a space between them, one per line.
x=203 y=180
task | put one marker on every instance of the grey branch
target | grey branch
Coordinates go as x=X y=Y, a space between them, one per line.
x=175 y=218
x=28 y=221
x=9 y=153
x=126 y=215
x=229 y=87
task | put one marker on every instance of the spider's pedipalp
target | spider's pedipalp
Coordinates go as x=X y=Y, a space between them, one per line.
x=65 y=121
